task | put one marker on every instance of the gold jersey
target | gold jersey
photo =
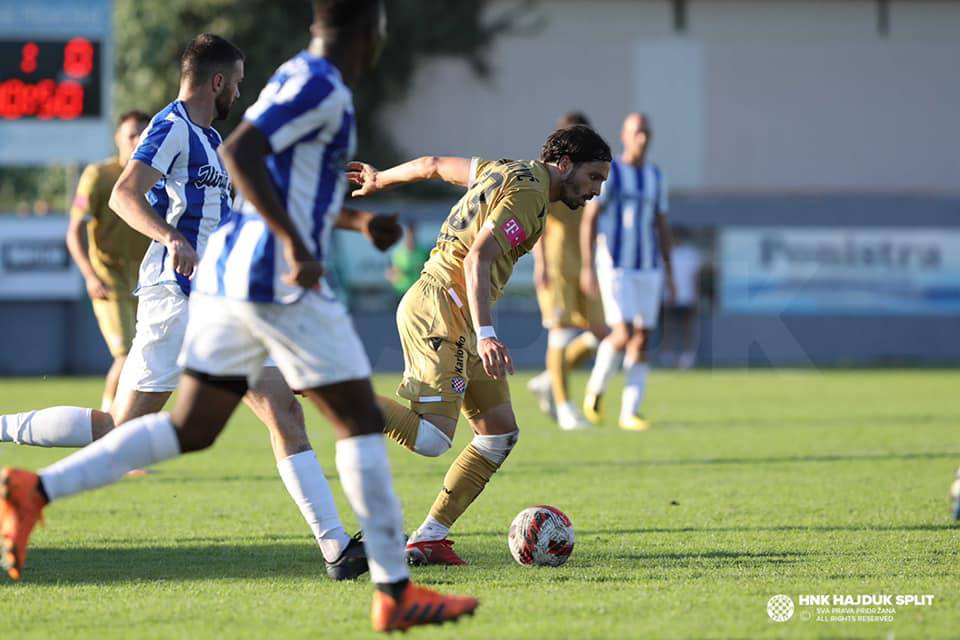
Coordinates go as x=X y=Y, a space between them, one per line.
x=561 y=250
x=508 y=197
x=111 y=239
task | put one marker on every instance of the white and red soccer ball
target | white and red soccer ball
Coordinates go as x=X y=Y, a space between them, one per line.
x=542 y=536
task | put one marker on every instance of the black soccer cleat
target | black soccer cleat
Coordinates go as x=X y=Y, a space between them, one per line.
x=352 y=562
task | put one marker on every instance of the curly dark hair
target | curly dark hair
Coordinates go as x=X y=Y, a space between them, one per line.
x=580 y=143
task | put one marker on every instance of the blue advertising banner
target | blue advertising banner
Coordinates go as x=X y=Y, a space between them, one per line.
x=889 y=270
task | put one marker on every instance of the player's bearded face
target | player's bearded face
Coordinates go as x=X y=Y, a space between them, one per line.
x=577 y=184
x=229 y=91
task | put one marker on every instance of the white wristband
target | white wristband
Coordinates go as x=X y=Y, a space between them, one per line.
x=485 y=332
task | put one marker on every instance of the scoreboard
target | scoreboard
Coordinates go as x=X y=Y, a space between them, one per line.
x=50 y=79
x=56 y=78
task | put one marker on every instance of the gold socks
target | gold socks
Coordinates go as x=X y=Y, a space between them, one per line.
x=465 y=479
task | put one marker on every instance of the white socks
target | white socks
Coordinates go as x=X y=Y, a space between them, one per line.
x=634 y=389
x=139 y=444
x=304 y=480
x=430 y=530
x=53 y=427
x=365 y=475
x=607 y=363
x=431 y=442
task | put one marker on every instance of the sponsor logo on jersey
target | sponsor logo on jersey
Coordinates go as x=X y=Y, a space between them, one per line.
x=460 y=354
x=459 y=385
x=514 y=232
x=210 y=176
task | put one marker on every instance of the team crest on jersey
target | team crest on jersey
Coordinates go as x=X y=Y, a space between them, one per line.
x=459 y=384
x=210 y=176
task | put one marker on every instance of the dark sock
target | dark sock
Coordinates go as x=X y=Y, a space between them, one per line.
x=394 y=589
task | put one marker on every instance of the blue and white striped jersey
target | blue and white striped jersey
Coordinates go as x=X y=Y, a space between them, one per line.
x=626 y=233
x=194 y=193
x=306 y=113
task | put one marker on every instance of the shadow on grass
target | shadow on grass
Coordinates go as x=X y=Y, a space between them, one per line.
x=540 y=467
x=227 y=561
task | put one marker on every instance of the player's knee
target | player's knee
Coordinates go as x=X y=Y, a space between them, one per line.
x=101 y=423
x=497 y=447
x=620 y=336
x=431 y=441
x=192 y=438
x=560 y=337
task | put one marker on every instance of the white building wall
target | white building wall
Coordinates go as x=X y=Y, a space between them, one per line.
x=755 y=95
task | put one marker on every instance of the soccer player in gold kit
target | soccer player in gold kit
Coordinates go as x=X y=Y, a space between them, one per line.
x=573 y=318
x=107 y=250
x=454 y=361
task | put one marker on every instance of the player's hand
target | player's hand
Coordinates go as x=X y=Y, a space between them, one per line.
x=305 y=270
x=182 y=255
x=496 y=358
x=364 y=176
x=540 y=278
x=588 y=282
x=97 y=289
x=383 y=231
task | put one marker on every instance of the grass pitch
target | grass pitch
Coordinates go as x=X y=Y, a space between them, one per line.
x=750 y=484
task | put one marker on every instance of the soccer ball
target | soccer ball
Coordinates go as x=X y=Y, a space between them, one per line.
x=542 y=536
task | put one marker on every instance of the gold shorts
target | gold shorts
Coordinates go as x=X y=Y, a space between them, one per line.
x=117 y=315
x=443 y=374
x=563 y=304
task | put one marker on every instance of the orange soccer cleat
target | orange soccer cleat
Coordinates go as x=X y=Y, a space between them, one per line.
x=21 y=506
x=418 y=606
x=433 y=552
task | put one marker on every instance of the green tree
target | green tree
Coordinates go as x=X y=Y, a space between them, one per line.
x=150 y=36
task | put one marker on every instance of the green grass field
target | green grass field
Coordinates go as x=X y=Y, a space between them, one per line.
x=750 y=484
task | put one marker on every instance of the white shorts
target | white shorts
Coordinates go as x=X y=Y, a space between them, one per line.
x=151 y=364
x=630 y=295
x=312 y=341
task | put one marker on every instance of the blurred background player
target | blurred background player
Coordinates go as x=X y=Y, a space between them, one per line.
x=406 y=261
x=566 y=309
x=625 y=239
x=453 y=360
x=679 y=344
x=107 y=250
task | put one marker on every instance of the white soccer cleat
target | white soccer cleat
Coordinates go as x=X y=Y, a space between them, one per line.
x=570 y=419
x=540 y=387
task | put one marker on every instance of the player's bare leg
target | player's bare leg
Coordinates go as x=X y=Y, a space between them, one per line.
x=111 y=381
x=495 y=434
x=609 y=358
x=366 y=478
x=272 y=401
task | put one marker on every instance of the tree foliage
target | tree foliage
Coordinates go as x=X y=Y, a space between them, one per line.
x=150 y=35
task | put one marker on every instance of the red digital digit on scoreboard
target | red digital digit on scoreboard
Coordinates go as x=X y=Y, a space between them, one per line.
x=50 y=80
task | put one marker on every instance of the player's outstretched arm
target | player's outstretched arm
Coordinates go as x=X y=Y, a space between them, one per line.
x=127 y=200
x=381 y=229
x=370 y=180
x=496 y=358
x=244 y=154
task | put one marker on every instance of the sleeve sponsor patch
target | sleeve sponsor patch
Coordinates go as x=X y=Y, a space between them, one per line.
x=514 y=232
x=81 y=201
